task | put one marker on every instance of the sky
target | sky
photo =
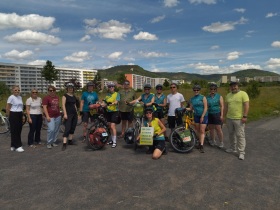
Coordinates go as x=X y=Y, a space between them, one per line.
x=192 y=36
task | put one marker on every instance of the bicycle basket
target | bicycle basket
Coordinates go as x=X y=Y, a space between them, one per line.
x=185 y=135
x=138 y=110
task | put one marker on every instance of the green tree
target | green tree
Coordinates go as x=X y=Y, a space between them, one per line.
x=121 y=78
x=49 y=72
x=4 y=89
x=253 y=90
x=97 y=81
x=166 y=83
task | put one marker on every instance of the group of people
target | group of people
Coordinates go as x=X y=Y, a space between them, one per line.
x=208 y=110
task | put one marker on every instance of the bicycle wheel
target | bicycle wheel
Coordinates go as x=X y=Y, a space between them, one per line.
x=136 y=134
x=90 y=139
x=4 y=125
x=24 y=118
x=177 y=142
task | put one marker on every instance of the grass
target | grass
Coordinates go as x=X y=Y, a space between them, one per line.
x=266 y=105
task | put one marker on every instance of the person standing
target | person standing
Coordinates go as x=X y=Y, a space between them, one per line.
x=69 y=107
x=53 y=117
x=112 y=99
x=215 y=115
x=126 y=94
x=198 y=103
x=236 y=112
x=160 y=101
x=174 y=100
x=147 y=98
x=14 y=110
x=35 y=118
x=88 y=97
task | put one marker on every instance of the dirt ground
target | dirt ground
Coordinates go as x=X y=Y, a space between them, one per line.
x=122 y=178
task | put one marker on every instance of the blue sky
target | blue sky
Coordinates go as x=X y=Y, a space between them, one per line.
x=193 y=36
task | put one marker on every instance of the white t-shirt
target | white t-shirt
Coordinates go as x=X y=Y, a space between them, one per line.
x=35 y=105
x=16 y=102
x=174 y=101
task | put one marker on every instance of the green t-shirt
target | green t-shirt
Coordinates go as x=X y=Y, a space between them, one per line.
x=235 y=103
x=126 y=96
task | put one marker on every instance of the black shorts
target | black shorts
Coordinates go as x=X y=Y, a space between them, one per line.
x=127 y=116
x=159 y=114
x=172 y=120
x=214 y=119
x=112 y=117
x=159 y=144
x=87 y=116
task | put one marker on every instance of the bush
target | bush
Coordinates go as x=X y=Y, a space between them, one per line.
x=253 y=90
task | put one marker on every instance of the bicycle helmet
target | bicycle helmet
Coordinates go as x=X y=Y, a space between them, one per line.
x=147 y=86
x=90 y=84
x=159 y=86
x=196 y=87
x=111 y=84
x=149 y=109
x=70 y=85
x=213 y=85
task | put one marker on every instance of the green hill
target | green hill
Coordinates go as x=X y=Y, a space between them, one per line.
x=113 y=72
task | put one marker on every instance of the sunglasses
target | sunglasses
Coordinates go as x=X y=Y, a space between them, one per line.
x=52 y=90
x=110 y=86
x=159 y=88
x=149 y=112
x=213 y=89
x=16 y=90
x=34 y=92
x=172 y=87
x=147 y=89
x=195 y=90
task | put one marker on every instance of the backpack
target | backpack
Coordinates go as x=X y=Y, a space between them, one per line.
x=129 y=135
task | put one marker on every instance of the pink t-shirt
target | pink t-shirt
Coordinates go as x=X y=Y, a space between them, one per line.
x=52 y=105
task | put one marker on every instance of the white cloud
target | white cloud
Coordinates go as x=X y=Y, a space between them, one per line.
x=129 y=59
x=172 y=41
x=241 y=10
x=32 y=37
x=78 y=56
x=85 y=38
x=203 y=1
x=170 y=3
x=37 y=63
x=152 y=54
x=238 y=67
x=55 y=30
x=205 y=68
x=112 y=29
x=222 y=27
x=233 y=55
x=273 y=63
x=32 y=21
x=16 y=55
x=214 y=47
x=145 y=36
x=157 y=19
x=275 y=44
x=115 y=55
x=269 y=15
x=179 y=10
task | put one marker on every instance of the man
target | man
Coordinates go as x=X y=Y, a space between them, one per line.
x=236 y=112
x=88 y=97
x=52 y=111
x=174 y=100
x=127 y=94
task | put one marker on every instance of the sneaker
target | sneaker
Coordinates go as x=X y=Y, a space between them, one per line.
x=70 y=142
x=49 y=146
x=230 y=151
x=19 y=149
x=114 y=145
x=212 y=143
x=54 y=144
x=201 y=149
x=241 y=157
x=110 y=142
x=13 y=149
x=221 y=145
x=32 y=146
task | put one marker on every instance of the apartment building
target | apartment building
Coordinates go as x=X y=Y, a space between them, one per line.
x=138 y=81
x=29 y=76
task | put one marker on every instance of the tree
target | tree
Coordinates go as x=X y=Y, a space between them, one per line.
x=97 y=81
x=121 y=78
x=166 y=83
x=201 y=82
x=4 y=89
x=49 y=72
x=253 y=90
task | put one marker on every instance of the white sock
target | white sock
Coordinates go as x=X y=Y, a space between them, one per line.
x=114 y=139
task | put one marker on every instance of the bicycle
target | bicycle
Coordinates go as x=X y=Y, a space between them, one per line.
x=98 y=133
x=4 y=123
x=24 y=116
x=138 y=110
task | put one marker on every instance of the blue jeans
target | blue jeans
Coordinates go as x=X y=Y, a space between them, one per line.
x=53 y=129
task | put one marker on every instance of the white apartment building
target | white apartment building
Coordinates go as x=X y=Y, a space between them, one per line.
x=29 y=76
x=138 y=81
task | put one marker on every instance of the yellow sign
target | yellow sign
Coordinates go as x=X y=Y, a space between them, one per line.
x=146 y=136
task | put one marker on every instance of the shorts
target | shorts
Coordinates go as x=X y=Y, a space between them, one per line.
x=159 y=114
x=86 y=116
x=197 y=119
x=215 y=119
x=157 y=144
x=112 y=117
x=127 y=116
x=172 y=120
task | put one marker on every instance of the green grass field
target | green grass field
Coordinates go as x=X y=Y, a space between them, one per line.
x=266 y=105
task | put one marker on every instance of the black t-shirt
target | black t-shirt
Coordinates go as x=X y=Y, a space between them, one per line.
x=70 y=103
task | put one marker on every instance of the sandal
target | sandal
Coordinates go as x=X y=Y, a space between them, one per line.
x=114 y=145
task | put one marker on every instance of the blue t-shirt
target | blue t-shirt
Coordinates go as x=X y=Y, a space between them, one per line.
x=148 y=99
x=159 y=100
x=89 y=98
x=214 y=103
x=197 y=104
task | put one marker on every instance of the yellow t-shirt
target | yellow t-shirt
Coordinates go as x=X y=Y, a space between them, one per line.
x=235 y=103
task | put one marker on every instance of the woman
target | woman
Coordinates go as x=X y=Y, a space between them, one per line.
x=158 y=147
x=215 y=115
x=69 y=107
x=35 y=118
x=112 y=99
x=160 y=101
x=198 y=103
x=147 y=98
x=14 y=110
